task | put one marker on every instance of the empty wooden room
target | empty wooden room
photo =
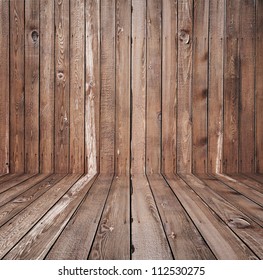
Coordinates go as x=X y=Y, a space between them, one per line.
x=131 y=129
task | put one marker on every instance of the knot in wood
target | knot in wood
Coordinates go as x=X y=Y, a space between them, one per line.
x=34 y=36
x=60 y=76
x=184 y=36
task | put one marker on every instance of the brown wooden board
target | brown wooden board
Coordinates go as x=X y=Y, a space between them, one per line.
x=47 y=86
x=184 y=113
x=17 y=83
x=153 y=88
x=107 y=60
x=138 y=86
x=4 y=86
x=8 y=177
x=215 y=88
x=169 y=85
x=112 y=240
x=75 y=241
x=92 y=88
x=249 y=182
x=148 y=237
x=200 y=85
x=123 y=37
x=62 y=77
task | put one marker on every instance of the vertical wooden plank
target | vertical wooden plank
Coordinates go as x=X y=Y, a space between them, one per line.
x=4 y=86
x=138 y=84
x=92 y=94
x=215 y=91
x=200 y=85
x=17 y=80
x=153 y=99
x=231 y=87
x=47 y=86
x=62 y=86
x=169 y=85
x=259 y=86
x=247 y=87
x=184 y=119
x=123 y=27
x=107 y=119
x=76 y=132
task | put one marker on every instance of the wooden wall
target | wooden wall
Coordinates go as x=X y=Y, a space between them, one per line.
x=120 y=85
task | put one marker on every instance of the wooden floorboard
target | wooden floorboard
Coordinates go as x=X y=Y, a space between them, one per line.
x=8 y=177
x=252 y=183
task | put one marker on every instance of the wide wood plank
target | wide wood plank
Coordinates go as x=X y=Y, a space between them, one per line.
x=148 y=236
x=4 y=86
x=169 y=85
x=107 y=116
x=38 y=241
x=76 y=239
x=138 y=84
x=123 y=37
x=112 y=240
x=47 y=86
x=62 y=86
x=184 y=239
x=8 y=177
x=184 y=115
x=92 y=89
x=76 y=86
x=18 y=226
x=17 y=82
x=153 y=89
x=252 y=183
x=221 y=240
x=200 y=85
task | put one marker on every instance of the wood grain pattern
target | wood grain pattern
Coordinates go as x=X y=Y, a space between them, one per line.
x=47 y=86
x=123 y=35
x=76 y=86
x=92 y=89
x=62 y=86
x=153 y=89
x=4 y=86
x=17 y=83
x=169 y=84
x=184 y=115
x=216 y=87
x=200 y=85
x=138 y=84
x=107 y=116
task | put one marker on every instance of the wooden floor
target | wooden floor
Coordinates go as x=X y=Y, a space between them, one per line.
x=186 y=216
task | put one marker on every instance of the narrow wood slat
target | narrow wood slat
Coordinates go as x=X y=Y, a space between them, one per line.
x=8 y=177
x=148 y=237
x=75 y=241
x=215 y=88
x=4 y=86
x=153 y=88
x=257 y=177
x=231 y=87
x=248 y=231
x=17 y=82
x=47 y=86
x=76 y=86
x=259 y=86
x=112 y=240
x=92 y=89
x=184 y=115
x=138 y=84
x=123 y=35
x=169 y=84
x=18 y=226
x=32 y=86
x=221 y=240
x=184 y=238
x=107 y=117
x=37 y=242
x=249 y=182
x=62 y=86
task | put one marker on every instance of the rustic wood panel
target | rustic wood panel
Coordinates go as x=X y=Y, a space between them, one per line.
x=169 y=84
x=62 y=76
x=4 y=86
x=17 y=83
x=47 y=86
x=184 y=115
